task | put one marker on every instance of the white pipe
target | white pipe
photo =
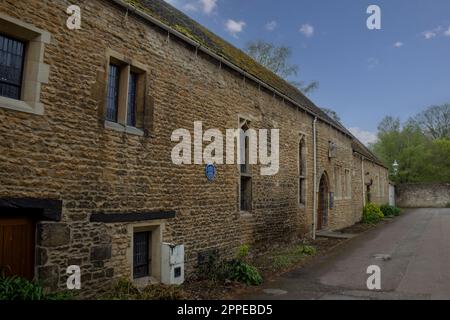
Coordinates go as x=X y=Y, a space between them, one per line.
x=363 y=182
x=315 y=179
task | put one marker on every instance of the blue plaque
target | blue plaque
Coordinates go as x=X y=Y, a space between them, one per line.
x=210 y=172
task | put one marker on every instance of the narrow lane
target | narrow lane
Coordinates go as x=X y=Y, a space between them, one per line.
x=413 y=253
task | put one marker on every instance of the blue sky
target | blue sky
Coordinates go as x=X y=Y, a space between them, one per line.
x=363 y=74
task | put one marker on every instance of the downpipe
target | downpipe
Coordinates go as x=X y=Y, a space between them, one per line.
x=314 y=179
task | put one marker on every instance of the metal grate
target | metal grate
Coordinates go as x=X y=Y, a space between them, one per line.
x=113 y=93
x=141 y=261
x=132 y=90
x=11 y=67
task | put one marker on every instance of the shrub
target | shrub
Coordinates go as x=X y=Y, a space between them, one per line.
x=390 y=211
x=238 y=269
x=243 y=272
x=16 y=288
x=448 y=205
x=372 y=214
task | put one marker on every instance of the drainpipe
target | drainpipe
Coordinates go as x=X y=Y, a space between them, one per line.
x=363 y=182
x=315 y=179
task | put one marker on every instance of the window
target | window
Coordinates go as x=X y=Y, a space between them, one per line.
x=11 y=67
x=22 y=68
x=132 y=96
x=302 y=172
x=245 y=192
x=347 y=184
x=378 y=186
x=125 y=101
x=141 y=255
x=113 y=93
x=338 y=182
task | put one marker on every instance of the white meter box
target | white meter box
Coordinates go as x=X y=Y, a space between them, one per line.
x=172 y=260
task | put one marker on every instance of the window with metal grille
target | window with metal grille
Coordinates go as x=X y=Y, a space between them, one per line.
x=302 y=172
x=11 y=67
x=132 y=89
x=113 y=93
x=141 y=259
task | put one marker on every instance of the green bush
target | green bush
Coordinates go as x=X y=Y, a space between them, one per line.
x=372 y=214
x=238 y=269
x=390 y=211
x=243 y=272
x=16 y=288
x=448 y=205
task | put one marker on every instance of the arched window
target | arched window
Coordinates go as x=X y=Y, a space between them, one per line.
x=302 y=172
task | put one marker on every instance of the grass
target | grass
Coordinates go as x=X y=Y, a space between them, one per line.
x=279 y=260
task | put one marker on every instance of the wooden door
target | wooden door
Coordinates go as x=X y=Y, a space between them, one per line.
x=17 y=237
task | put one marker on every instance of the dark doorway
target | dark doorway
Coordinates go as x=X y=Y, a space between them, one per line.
x=368 y=195
x=17 y=246
x=323 y=206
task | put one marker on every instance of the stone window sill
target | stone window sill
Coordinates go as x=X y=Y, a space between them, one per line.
x=22 y=106
x=245 y=214
x=125 y=129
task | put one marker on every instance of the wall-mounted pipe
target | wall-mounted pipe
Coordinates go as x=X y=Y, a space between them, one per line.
x=314 y=226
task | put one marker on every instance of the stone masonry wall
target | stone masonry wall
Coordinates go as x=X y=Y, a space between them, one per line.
x=68 y=154
x=423 y=195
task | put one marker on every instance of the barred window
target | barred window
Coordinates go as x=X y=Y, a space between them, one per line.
x=141 y=257
x=302 y=172
x=132 y=91
x=11 y=67
x=113 y=93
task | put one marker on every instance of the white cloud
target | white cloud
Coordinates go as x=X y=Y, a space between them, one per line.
x=190 y=7
x=430 y=34
x=272 y=25
x=235 y=27
x=307 y=30
x=364 y=136
x=398 y=44
x=208 y=6
x=205 y=6
x=447 y=33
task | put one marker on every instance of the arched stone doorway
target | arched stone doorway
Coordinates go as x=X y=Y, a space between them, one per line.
x=323 y=203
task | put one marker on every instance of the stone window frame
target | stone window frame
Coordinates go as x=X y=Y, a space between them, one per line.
x=156 y=228
x=338 y=182
x=244 y=120
x=35 y=71
x=302 y=178
x=127 y=66
x=347 y=194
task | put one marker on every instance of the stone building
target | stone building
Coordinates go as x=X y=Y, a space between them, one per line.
x=86 y=118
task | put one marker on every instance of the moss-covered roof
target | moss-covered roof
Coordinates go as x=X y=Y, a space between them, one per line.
x=180 y=22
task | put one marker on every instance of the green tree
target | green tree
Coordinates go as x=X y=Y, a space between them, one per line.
x=276 y=59
x=420 y=157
